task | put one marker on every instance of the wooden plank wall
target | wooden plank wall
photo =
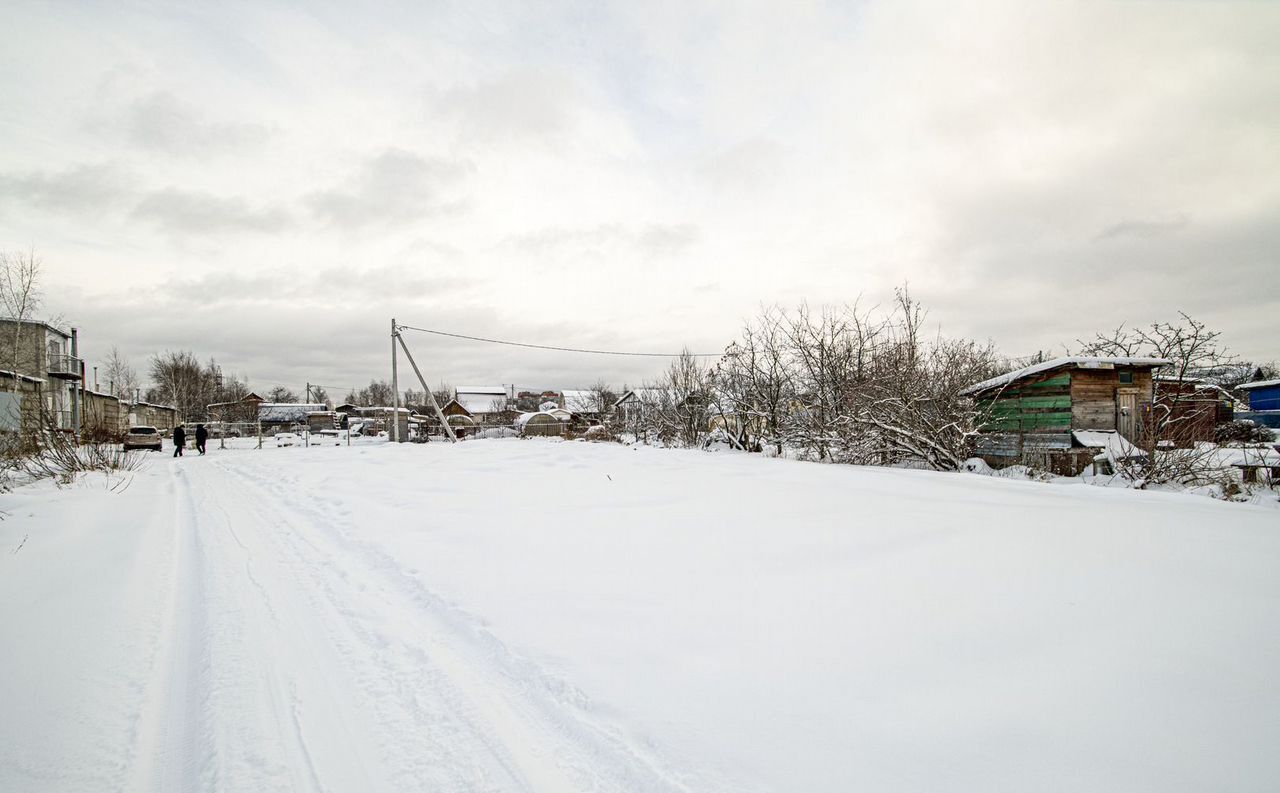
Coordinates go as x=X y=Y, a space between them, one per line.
x=1040 y=405
x=1093 y=397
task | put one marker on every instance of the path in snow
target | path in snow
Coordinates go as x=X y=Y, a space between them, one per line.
x=298 y=660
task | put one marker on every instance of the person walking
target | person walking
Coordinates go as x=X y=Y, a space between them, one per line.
x=202 y=435
x=179 y=440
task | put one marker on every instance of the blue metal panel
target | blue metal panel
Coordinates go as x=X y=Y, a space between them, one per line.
x=1265 y=398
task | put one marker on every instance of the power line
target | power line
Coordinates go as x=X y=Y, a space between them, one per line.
x=559 y=349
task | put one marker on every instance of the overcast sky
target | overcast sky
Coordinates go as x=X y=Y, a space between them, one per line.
x=269 y=184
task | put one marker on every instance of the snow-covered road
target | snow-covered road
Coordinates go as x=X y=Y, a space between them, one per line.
x=529 y=616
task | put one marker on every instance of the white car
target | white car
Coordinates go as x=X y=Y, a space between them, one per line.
x=326 y=438
x=142 y=437
x=288 y=439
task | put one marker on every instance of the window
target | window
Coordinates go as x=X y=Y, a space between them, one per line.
x=1126 y=376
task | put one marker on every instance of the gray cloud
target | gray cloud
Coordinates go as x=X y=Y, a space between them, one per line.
x=521 y=105
x=314 y=285
x=88 y=187
x=1144 y=228
x=649 y=240
x=179 y=211
x=394 y=186
x=747 y=165
x=161 y=122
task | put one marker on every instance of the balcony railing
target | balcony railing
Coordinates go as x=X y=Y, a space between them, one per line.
x=64 y=366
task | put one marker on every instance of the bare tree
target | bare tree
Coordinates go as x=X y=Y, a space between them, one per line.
x=178 y=379
x=122 y=378
x=676 y=408
x=377 y=394
x=1168 y=442
x=443 y=393
x=20 y=300
x=754 y=383
x=600 y=399
x=829 y=351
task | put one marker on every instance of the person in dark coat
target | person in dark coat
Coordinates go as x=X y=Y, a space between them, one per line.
x=202 y=435
x=179 y=440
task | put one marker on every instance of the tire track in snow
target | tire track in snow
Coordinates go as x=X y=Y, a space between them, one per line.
x=174 y=746
x=534 y=725
x=427 y=726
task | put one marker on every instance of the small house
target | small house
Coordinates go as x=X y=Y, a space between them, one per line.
x=586 y=405
x=323 y=420
x=1037 y=409
x=145 y=414
x=1263 y=395
x=276 y=416
x=481 y=401
x=634 y=405
x=1190 y=409
x=1264 y=402
x=103 y=416
x=459 y=418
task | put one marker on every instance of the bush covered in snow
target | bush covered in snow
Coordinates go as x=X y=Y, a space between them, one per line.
x=1243 y=431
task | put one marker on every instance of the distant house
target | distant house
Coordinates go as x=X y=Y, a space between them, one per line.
x=481 y=401
x=586 y=405
x=1264 y=402
x=458 y=417
x=282 y=415
x=634 y=405
x=104 y=417
x=146 y=414
x=1190 y=408
x=1038 y=409
x=1263 y=395
x=243 y=410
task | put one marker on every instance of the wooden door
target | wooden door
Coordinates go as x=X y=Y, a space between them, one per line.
x=1127 y=415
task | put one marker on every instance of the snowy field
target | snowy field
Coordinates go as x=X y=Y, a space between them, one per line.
x=540 y=616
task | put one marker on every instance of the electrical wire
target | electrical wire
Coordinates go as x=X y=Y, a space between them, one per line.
x=559 y=349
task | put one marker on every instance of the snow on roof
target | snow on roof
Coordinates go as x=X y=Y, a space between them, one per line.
x=154 y=405
x=1113 y=443
x=1258 y=455
x=287 y=411
x=1080 y=361
x=479 y=402
x=8 y=373
x=578 y=401
x=1259 y=384
x=643 y=394
x=479 y=398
